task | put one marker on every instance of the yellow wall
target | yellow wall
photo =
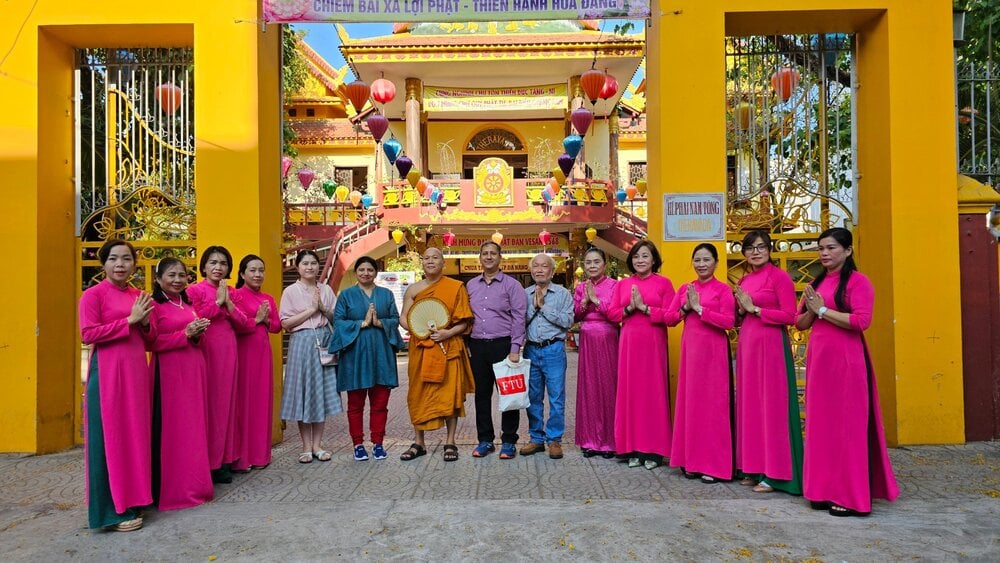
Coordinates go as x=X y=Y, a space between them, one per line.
x=531 y=132
x=237 y=152
x=907 y=169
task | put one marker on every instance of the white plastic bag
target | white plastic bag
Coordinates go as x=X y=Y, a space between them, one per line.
x=512 y=382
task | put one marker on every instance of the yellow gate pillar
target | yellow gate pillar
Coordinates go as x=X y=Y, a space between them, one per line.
x=906 y=187
x=237 y=111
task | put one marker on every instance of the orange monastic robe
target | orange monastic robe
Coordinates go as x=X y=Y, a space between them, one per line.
x=440 y=380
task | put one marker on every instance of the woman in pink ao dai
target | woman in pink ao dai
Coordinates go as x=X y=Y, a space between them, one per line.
x=846 y=461
x=703 y=423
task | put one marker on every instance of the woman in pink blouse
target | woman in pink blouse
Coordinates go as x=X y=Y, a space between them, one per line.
x=114 y=320
x=768 y=426
x=310 y=387
x=846 y=462
x=703 y=422
x=597 y=376
x=212 y=300
x=255 y=390
x=182 y=477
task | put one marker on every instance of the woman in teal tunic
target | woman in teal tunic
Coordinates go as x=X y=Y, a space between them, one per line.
x=366 y=335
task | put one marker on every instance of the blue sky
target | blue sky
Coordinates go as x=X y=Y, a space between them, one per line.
x=323 y=38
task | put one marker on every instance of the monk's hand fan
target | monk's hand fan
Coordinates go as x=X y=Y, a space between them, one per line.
x=427 y=315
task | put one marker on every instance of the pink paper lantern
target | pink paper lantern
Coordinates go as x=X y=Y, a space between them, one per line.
x=306 y=177
x=581 y=118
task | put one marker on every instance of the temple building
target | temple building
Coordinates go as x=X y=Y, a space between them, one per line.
x=482 y=116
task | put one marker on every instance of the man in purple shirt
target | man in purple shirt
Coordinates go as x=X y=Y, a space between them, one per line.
x=499 y=304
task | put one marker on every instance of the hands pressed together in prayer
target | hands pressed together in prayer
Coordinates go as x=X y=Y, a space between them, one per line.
x=371 y=319
x=141 y=309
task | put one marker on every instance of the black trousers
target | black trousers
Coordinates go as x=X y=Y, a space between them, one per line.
x=485 y=353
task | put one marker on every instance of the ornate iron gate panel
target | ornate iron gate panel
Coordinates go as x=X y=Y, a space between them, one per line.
x=134 y=160
x=790 y=150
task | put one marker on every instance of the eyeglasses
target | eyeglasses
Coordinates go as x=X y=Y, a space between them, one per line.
x=757 y=249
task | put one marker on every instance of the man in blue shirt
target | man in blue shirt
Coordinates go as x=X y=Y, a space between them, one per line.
x=549 y=317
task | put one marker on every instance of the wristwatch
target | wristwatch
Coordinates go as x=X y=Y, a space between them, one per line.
x=822 y=311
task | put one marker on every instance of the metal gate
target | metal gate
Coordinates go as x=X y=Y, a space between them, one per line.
x=791 y=154
x=134 y=161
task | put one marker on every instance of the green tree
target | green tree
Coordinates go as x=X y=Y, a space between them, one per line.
x=293 y=78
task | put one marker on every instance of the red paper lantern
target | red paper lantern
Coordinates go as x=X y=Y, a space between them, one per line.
x=610 y=87
x=383 y=91
x=592 y=83
x=784 y=81
x=358 y=92
x=168 y=95
x=545 y=237
x=286 y=165
x=448 y=238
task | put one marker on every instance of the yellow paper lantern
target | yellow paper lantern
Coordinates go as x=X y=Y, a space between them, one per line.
x=342 y=192
x=557 y=173
x=497 y=238
x=579 y=272
x=591 y=233
x=413 y=176
x=397 y=236
x=641 y=186
x=355 y=197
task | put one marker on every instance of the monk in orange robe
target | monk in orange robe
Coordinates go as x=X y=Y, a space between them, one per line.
x=439 y=371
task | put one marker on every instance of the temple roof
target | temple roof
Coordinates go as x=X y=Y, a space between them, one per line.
x=480 y=55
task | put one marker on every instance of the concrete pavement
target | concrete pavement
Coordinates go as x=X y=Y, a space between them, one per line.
x=488 y=509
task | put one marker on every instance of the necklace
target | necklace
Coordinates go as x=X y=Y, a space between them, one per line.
x=179 y=304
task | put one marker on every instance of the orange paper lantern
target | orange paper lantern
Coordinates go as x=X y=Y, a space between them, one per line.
x=358 y=92
x=168 y=95
x=497 y=237
x=784 y=81
x=592 y=83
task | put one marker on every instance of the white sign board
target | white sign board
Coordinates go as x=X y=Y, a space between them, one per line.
x=397 y=282
x=695 y=216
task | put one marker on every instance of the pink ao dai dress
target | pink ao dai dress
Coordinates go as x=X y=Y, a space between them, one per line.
x=703 y=424
x=642 y=407
x=846 y=460
x=597 y=375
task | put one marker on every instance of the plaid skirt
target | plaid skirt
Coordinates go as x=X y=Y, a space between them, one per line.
x=310 y=389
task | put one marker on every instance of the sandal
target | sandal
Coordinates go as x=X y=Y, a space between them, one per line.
x=306 y=457
x=450 y=452
x=819 y=505
x=415 y=450
x=837 y=510
x=748 y=482
x=763 y=488
x=323 y=455
x=127 y=526
x=708 y=479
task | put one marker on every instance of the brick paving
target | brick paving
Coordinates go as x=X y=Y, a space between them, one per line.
x=525 y=508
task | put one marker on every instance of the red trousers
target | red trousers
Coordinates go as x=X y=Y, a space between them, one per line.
x=379 y=396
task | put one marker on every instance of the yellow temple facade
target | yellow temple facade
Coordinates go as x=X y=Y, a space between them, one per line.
x=905 y=222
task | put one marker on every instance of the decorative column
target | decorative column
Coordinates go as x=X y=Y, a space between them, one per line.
x=980 y=310
x=576 y=101
x=414 y=101
x=613 y=130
